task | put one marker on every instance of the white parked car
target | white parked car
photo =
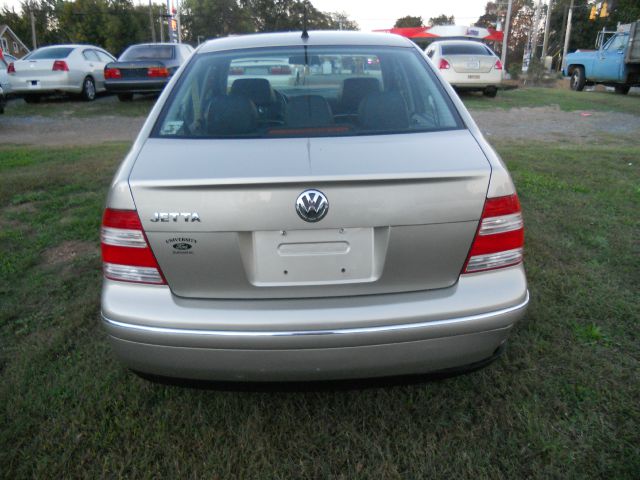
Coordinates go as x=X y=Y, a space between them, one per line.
x=76 y=69
x=4 y=76
x=467 y=65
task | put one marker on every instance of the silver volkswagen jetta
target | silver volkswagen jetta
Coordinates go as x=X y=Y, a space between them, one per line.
x=351 y=222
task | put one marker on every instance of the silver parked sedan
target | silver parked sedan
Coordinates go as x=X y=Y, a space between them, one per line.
x=77 y=69
x=354 y=223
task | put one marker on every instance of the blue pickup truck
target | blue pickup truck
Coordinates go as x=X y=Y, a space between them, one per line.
x=615 y=63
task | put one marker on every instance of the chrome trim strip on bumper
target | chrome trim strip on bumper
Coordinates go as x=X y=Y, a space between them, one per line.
x=303 y=333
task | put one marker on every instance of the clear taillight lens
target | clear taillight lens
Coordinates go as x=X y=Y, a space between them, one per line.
x=126 y=255
x=499 y=241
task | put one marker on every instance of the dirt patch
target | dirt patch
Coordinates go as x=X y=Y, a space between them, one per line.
x=64 y=131
x=552 y=124
x=538 y=123
x=68 y=250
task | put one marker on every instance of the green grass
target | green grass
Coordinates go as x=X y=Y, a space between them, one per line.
x=562 y=402
x=564 y=98
x=74 y=107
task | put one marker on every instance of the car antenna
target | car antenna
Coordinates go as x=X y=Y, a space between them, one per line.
x=305 y=34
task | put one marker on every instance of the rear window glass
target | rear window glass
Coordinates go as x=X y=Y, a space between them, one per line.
x=300 y=92
x=50 y=53
x=148 y=52
x=465 y=49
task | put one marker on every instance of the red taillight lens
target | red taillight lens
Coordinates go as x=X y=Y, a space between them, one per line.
x=112 y=73
x=281 y=70
x=498 y=65
x=499 y=241
x=126 y=255
x=60 y=66
x=236 y=71
x=11 y=68
x=157 y=72
x=444 y=65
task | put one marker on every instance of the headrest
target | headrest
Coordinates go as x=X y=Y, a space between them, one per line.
x=308 y=111
x=257 y=89
x=355 y=89
x=384 y=111
x=229 y=115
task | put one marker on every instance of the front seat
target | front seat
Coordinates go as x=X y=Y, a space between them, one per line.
x=354 y=90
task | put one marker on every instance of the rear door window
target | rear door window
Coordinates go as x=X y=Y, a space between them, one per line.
x=104 y=57
x=313 y=91
x=90 y=56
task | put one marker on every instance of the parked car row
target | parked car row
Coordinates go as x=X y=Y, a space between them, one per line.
x=87 y=70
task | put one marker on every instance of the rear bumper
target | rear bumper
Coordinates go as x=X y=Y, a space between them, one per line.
x=135 y=86
x=52 y=83
x=275 y=340
x=463 y=80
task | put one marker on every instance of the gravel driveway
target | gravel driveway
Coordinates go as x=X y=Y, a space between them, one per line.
x=540 y=124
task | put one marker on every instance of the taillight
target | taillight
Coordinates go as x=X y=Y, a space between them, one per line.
x=11 y=68
x=126 y=255
x=444 y=65
x=157 y=72
x=499 y=240
x=112 y=73
x=498 y=65
x=281 y=70
x=236 y=71
x=60 y=66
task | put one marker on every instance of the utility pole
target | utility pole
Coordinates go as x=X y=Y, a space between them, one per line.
x=534 y=34
x=567 y=35
x=505 y=37
x=547 y=27
x=178 y=26
x=153 y=29
x=33 y=29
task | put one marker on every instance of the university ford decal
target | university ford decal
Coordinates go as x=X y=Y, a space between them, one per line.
x=182 y=244
x=175 y=216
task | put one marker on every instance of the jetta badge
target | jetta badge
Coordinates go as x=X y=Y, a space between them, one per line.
x=312 y=205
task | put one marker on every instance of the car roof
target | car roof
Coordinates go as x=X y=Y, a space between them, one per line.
x=69 y=45
x=457 y=42
x=316 y=38
x=151 y=44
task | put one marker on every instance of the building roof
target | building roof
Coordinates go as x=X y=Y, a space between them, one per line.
x=316 y=38
x=6 y=28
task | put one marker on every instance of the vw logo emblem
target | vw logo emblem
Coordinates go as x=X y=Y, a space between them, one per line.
x=312 y=205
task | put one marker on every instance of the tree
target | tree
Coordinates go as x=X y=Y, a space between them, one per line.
x=340 y=21
x=409 y=22
x=520 y=25
x=442 y=20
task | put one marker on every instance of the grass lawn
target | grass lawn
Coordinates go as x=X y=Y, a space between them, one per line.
x=562 y=402
x=564 y=98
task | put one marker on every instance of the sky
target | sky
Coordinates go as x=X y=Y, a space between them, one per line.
x=372 y=15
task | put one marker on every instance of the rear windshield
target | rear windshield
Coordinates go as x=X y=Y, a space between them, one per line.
x=465 y=49
x=148 y=52
x=50 y=53
x=306 y=91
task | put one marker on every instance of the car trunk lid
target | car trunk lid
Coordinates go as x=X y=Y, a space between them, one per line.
x=222 y=221
x=471 y=63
